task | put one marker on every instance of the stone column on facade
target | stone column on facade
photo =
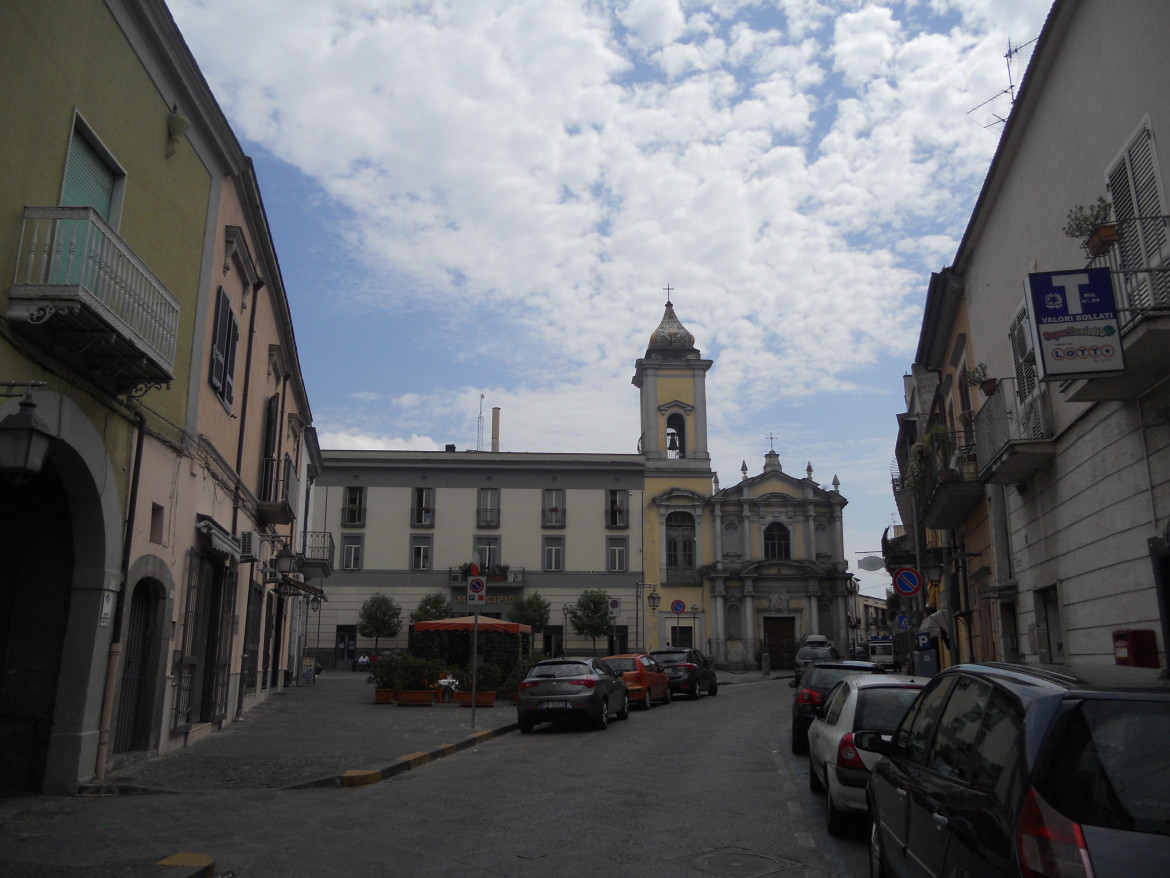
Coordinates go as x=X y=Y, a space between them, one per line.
x=718 y=593
x=810 y=533
x=813 y=623
x=700 y=420
x=838 y=537
x=749 y=616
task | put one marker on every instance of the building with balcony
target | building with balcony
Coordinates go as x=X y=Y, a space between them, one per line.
x=734 y=571
x=1054 y=535
x=154 y=458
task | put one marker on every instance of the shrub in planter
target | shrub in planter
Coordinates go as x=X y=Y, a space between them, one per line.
x=386 y=672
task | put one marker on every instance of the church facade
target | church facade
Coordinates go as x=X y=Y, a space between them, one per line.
x=736 y=572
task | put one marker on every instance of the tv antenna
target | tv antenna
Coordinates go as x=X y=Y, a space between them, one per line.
x=1011 y=86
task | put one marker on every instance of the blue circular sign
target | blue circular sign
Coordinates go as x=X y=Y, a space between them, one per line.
x=475 y=585
x=907 y=581
x=677 y=607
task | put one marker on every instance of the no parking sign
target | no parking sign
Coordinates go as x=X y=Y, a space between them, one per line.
x=907 y=581
x=476 y=590
x=678 y=607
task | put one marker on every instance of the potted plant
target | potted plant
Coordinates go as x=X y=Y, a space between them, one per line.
x=915 y=468
x=416 y=681
x=498 y=572
x=487 y=679
x=1093 y=225
x=385 y=674
x=976 y=376
x=510 y=685
x=941 y=442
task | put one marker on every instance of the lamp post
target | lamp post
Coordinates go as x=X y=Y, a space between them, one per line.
x=695 y=625
x=564 y=628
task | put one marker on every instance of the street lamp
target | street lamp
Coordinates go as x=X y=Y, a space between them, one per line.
x=24 y=442
x=654 y=599
x=695 y=625
x=565 y=628
x=284 y=560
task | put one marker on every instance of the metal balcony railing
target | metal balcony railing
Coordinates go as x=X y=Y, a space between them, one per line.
x=75 y=275
x=1140 y=263
x=278 y=489
x=318 y=546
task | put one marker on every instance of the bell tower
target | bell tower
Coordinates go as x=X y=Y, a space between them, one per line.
x=672 y=380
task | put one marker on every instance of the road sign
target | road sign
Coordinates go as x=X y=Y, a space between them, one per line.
x=903 y=622
x=907 y=581
x=924 y=640
x=678 y=607
x=872 y=562
x=615 y=607
x=476 y=590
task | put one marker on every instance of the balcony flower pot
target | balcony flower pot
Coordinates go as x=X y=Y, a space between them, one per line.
x=1101 y=240
x=988 y=386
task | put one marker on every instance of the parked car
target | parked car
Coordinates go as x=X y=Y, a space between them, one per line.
x=582 y=689
x=811 y=689
x=876 y=702
x=645 y=679
x=688 y=670
x=1012 y=770
x=806 y=655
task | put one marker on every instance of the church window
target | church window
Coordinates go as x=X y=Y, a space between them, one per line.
x=680 y=548
x=777 y=545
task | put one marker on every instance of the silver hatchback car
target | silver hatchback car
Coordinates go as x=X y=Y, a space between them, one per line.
x=583 y=689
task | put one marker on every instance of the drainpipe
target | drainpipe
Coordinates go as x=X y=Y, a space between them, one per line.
x=114 y=660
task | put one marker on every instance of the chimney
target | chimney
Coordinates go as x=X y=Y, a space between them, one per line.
x=495 y=428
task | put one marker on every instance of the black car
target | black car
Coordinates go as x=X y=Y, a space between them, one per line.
x=1011 y=770
x=688 y=670
x=812 y=687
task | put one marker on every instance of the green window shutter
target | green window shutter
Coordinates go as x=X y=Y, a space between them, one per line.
x=89 y=182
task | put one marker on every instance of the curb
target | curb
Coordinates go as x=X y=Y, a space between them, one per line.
x=356 y=777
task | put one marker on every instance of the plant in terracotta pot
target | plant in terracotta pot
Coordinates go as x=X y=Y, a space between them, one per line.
x=385 y=674
x=977 y=376
x=417 y=679
x=1093 y=225
x=488 y=678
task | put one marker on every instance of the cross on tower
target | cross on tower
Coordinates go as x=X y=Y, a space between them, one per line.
x=771 y=439
x=668 y=289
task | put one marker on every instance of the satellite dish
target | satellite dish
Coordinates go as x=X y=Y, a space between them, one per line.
x=872 y=562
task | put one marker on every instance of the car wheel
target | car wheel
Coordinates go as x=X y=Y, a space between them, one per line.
x=713 y=689
x=669 y=696
x=799 y=741
x=834 y=819
x=526 y=726
x=602 y=721
x=646 y=702
x=624 y=713
x=814 y=779
x=695 y=691
x=877 y=857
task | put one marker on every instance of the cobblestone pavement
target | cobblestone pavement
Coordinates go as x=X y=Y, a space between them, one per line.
x=310 y=735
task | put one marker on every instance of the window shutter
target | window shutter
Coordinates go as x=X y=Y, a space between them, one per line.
x=89 y=182
x=1136 y=193
x=217 y=347
x=229 y=364
x=271 y=417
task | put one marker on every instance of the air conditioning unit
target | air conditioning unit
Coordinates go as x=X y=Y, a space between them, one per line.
x=249 y=546
x=1021 y=339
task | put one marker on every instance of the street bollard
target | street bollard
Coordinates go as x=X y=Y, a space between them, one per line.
x=766 y=664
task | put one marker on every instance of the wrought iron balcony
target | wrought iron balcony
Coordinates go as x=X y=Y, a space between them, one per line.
x=80 y=290
x=1013 y=439
x=951 y=487
x=278 y=490
x=316 y=553
x=1139 y=263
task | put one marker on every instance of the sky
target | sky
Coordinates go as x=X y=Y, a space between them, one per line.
x=481 y=203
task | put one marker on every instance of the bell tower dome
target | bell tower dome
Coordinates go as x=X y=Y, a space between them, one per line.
x=672 y=380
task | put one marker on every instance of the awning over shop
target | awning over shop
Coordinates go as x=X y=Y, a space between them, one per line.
x=222 y=542
x=465 y=623
x=290 y=583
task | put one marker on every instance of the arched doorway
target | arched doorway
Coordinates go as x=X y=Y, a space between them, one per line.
x=36 y=541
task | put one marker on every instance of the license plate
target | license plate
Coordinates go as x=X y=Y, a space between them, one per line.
x=554 y=705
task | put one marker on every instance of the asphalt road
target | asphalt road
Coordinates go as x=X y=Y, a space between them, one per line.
x=687 y=789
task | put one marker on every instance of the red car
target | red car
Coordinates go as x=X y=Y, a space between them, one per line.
x=644 y=678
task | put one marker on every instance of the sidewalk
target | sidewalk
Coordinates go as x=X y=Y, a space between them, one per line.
x=330 y=733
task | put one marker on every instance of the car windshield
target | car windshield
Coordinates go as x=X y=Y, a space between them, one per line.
x=621 y=664
x=881 y=709
x=812 y=653
x=560 y=669
x=1112 y=766
x=670 y=658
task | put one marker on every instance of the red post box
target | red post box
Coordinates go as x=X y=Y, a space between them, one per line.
x=1135 y=647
